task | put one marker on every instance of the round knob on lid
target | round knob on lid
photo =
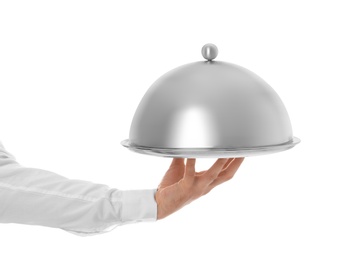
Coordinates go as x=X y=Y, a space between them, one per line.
x=209 y=51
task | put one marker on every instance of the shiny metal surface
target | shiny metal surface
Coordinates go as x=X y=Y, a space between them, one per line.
x=209 y=51
x=211 y=152
x=210 y=109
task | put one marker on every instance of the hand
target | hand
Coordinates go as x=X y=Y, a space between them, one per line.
x=182 y=184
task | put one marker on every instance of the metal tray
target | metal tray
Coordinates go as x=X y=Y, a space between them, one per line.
x=211 y=152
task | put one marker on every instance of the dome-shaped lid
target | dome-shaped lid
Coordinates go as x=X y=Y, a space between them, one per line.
x=210 y=109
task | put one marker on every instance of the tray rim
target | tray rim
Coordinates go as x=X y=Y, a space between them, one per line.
x=211 y=152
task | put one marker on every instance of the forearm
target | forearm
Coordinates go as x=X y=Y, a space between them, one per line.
x=39 y=197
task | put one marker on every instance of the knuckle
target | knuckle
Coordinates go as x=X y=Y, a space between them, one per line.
x=197 y=189
x=202 y=181
x=210 y=176
x=229 y=175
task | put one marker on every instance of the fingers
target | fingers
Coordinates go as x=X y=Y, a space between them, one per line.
x=177 y=169
x=177 y=162
x=215 y=170
x=190 y=167
x=227 y=163
x=222 y=170
x=227 y=173
x=174 y=174
x=233 y=167
x=225 y=166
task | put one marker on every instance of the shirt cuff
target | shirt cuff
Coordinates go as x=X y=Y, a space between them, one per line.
x=139 y=205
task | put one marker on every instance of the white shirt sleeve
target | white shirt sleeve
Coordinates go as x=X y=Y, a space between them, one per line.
x=39 y=197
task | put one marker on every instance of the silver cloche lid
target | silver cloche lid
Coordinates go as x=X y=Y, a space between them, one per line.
x=210 y=109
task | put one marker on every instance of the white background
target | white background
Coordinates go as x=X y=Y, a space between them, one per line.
x=73 y=72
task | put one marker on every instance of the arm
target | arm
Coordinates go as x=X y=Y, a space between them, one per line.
x=39 y=197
